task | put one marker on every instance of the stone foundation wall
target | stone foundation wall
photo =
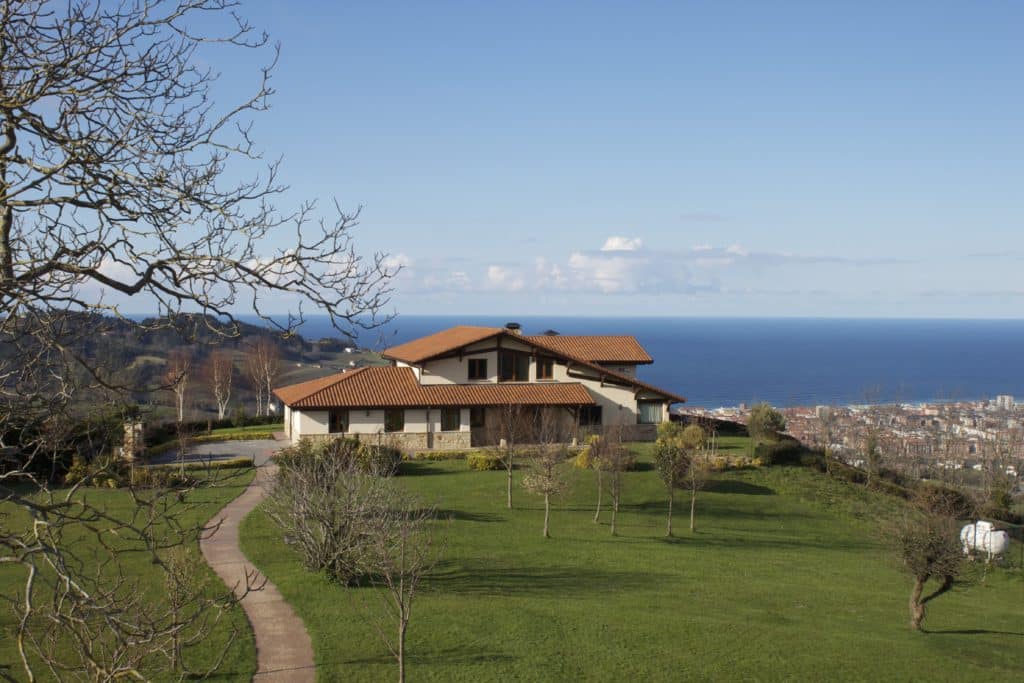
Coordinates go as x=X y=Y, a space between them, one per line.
x=451 y=441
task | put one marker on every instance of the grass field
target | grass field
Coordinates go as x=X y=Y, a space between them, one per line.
x=241 y=660
x=785 y=578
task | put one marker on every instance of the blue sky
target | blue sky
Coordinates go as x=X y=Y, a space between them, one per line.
x=645 y=158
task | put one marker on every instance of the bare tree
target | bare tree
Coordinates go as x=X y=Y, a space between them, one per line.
x=672 y=459
x=406 y=549
x=706 y=450
x=330 y=506
x=179 y=372
x=681 y=457
x=219 y=373
x=263 y=362
x=547 y=476
x=85 y=617
x=507 y=430
x=596 y=452
x=120 y=190
x=617 y=461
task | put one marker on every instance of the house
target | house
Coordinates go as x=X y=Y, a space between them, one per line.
x=469 y=386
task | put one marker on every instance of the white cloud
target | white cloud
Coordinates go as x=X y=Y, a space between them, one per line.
x=622 y=244
x=500 y=277
x=608 y=274
x=549 y=275
x=396 y=261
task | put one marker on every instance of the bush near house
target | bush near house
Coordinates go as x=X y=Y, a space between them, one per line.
x=483 y=461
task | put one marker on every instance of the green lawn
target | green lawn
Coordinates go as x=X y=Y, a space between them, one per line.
x=240 y=662
x=785 y=578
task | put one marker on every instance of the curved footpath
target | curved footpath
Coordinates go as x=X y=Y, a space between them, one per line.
x=284 y=651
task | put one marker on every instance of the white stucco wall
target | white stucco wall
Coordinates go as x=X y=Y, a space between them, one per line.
x=309 y=422
x=362 y=421
x=416 y=419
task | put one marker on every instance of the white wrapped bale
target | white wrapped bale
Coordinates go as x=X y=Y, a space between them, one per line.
x=983 y=538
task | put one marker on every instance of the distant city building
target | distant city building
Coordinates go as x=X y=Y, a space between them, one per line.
x=1004 y=402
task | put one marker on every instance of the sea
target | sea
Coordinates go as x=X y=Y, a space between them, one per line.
x=722 y=362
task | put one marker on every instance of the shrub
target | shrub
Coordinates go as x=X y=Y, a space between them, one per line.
x=382 y=460
x=439 y=455
x=329 y=507
x=370 y=459
x=765 y=422
x=78 y=471
x=583 y=459
x=788 y=451
x=484 y=461
x=102 y=472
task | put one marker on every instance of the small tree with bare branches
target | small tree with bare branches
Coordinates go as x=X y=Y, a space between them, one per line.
x=547 y=477
x=928 y=544
x=510 y=426
x=672 y=460
x=330 y=506
x=617 y=460
x=405 y=548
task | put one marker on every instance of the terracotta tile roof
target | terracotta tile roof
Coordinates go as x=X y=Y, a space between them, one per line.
x=604 y=348
x=386 y=386
x=421 y=349
x=542 y=342
x=394 y=388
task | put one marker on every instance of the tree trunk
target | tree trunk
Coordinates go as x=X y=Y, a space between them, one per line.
x=916 y=606
x=615 y=508
x=671 y=497
x=508 y=456
x=597 y=512
x=693 y=508
x=402 y=624
x=547 y=514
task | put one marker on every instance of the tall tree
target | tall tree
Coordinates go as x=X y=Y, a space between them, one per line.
x=122 y=187
x=263 y=362
x=176 y=378
x=219 y=374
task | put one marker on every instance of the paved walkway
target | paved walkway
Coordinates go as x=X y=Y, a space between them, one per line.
x=284 y=651
x=259 y=450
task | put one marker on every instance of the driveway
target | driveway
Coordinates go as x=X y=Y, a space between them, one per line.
x=259 y=450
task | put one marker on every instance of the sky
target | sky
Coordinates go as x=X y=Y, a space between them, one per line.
x=860 y=159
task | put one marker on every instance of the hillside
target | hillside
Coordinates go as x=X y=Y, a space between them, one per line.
x=136 y=357
x=786 y=577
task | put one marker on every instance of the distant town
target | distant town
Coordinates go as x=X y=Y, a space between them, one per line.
x=926 y=440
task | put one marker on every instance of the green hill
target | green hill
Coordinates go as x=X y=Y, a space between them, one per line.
x=785 y=578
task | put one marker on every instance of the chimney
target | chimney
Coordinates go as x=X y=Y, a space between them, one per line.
x=513 y=328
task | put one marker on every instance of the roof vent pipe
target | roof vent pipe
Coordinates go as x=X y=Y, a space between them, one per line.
x=513 y=328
